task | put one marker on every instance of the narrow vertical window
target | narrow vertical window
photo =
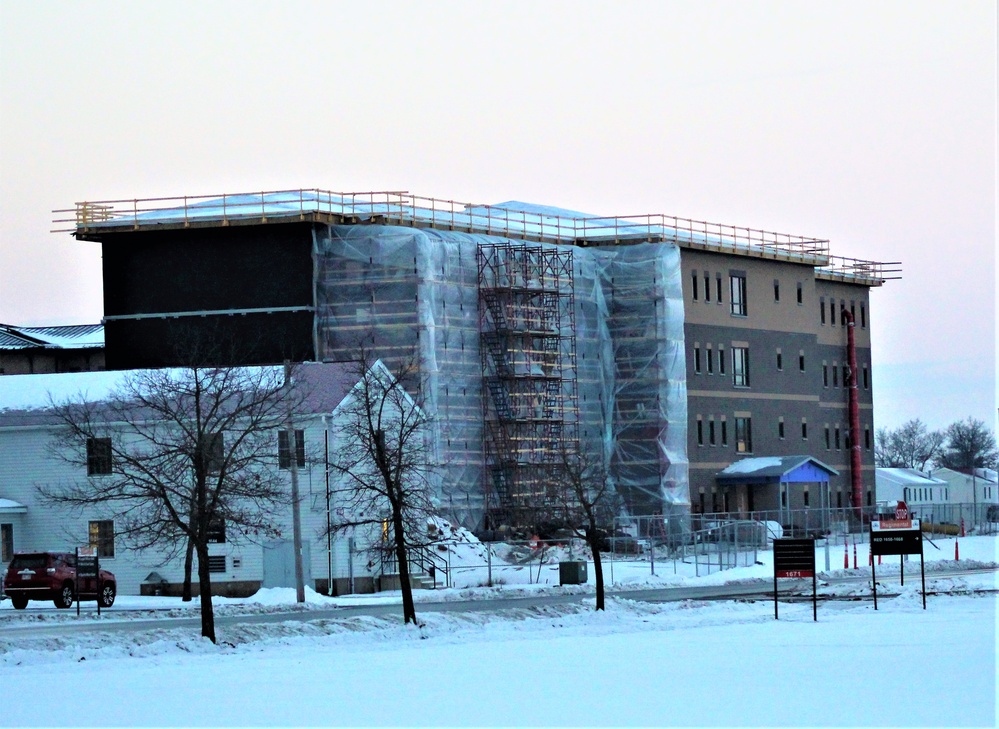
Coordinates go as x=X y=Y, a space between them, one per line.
x=846 y=376
x=697 y=358
x=776 y=289
x=718 y=287
x=711 y=360
x=866 y=382
x=711 y=430
x=835 y=371
x=867 y=438
x=700 y=431
x=804 y=429
x=743 y=435
x=721 y=359
x=780 y=428
x=863 y=315
x=801 y=294
x=828 y=438
x=801 y=360
x=6 y=542
x=780 y=360
x=740 y=366
x=693 y=282
x=738 y=293
x=836 y=437
x=853 y=310
x=825 y=374
x=832 y=312
x=724 y=431
x=822 y=307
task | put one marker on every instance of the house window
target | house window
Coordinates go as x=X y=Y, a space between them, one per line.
x=693 y=282
x=212 y=452
x=804 y=429
x=711 y=360
x=6 y=542
x=711 y=431
x=836 y=440
x=825 y=375
x=863 y=315
x=101 y=535
x=98 y=456
x=697 y=358
x=721 y=359
x=853 y=311
x=828 y=438
x=801 y=360
x=700 y=431
x=724 y=431
x=707 y=286
x=284 y=450
x=776 y=289
x=832 y=312
x=216 y=531
x=737 y=282
x=743 y=435
x=740 y=366
x=718 y=287
x=866 y=381
x=780 y=360
x=822 y=309
x=780 y=428
x=801 y=294
x=835 y=371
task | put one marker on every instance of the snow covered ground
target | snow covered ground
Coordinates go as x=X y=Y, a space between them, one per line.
x=690 y=663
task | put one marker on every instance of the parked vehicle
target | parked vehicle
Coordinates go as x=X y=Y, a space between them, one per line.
x=52 y=576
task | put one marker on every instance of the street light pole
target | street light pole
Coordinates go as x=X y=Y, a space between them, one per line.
x=296 y=514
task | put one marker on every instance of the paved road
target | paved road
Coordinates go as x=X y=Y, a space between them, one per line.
x=118 y=622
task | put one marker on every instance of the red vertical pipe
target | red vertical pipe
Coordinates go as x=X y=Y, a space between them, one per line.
x=851 y=354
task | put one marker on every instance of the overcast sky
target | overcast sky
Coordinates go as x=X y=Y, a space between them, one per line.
x=873 y=127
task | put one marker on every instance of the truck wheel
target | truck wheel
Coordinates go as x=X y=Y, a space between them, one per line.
x=65 y=597
x=19 y=602
x=107 y=595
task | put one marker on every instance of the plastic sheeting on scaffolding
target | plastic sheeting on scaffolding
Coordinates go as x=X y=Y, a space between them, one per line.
x=398 y=288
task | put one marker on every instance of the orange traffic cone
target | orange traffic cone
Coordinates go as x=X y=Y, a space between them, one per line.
x=854 y=555
x=957 y=551
x=846 y=556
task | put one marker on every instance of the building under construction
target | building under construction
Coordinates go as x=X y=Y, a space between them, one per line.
x=538 y=331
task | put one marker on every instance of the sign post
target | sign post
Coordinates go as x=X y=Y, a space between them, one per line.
x=87 y=567
x=897 y=536
x=795 y=558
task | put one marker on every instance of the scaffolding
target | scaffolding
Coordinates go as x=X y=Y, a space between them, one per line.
x=527 y=330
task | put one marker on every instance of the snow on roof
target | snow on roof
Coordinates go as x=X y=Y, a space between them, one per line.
x=71 y=336
x=752 y=465
x=907 y=477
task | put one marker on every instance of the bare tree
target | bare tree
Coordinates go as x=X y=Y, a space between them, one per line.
x=586 y=501
x=970 y=444
x=180 y=457
x=913 y=445
x=383 y=463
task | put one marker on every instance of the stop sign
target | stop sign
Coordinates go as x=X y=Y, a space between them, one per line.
x=901 y=510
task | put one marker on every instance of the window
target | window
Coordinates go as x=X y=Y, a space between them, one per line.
x=846 y=376
x=697 y=358
x=711 y=361
x=693 y=282
x=212 y=452
x=836 y=439
x=721 y=359
x=847 y=442
x=724 y=431
x=804 y=429
x=866 y=381
x=801 y=294
x=707 y=286
x=718 y=287
x=700 y=431
x=737 y=283
x=98 y=456
x=780 y=428
x=216 y=531
x=839 y=499
x=835 y=371
x=101 y=535
x=832 y=312
x=776 y=289
x=740 y=366
x=284 y=451
x=825 y=375
x=822 y=309
x=711 y=430
x=780 y=360
x=853 y=311
x=828 y=438
x=805 y=496
x=6 y=542
x=743 y=435
x=801 y=360
x=863 y=315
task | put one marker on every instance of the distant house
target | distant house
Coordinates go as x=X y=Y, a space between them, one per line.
x=39 y=350
x=970 y=485
x=27 y=461
x=913 y=487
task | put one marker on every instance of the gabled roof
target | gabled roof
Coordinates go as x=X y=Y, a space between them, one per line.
x=769 y=469
x=906 y=477
x=72 y=336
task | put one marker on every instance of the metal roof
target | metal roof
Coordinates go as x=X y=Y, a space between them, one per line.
x=769 y=468
x=70 y=336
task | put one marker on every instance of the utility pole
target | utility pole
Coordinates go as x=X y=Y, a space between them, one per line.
x=296 y=515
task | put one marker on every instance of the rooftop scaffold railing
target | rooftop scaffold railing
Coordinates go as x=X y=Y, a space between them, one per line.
x=89 y=220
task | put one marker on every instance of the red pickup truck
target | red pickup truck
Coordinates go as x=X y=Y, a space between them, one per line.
x=52 y=576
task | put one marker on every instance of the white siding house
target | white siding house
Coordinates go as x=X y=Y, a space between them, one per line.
x=976 y=486
x=27 y=523
x=913 y=487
